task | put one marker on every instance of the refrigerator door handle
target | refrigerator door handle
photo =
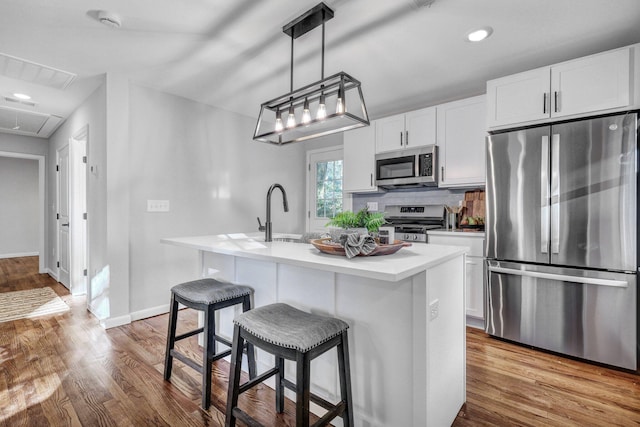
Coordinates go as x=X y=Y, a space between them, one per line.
x=555 y=193
x=561 y=277
x=544 y=196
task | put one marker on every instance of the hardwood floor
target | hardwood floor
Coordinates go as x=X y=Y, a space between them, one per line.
x=65 y=369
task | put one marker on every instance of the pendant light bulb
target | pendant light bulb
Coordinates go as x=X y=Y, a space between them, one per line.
x=291 y=119
x=340 y=106
x=322 y=109
x=306 y=114
x=279 y=125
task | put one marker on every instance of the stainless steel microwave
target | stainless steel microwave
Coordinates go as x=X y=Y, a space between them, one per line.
x=414 y=167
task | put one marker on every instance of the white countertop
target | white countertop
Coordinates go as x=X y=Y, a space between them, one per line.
x=459 y=232
x=404 y=263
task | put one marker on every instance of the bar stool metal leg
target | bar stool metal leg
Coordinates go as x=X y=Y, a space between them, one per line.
x=280 y=385
x=303 y=382
x=171 y=337
x=345 y=384
x=234 y=376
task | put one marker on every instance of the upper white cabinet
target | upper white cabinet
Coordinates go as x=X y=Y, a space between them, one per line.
x=593 y=83
x=461 y=142
x=359 y=160
x=410 y=130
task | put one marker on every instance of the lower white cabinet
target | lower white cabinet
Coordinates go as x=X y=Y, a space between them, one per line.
x=475 y=267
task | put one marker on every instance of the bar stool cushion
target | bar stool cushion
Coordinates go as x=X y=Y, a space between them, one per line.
x=285 y=326
x=209 y=291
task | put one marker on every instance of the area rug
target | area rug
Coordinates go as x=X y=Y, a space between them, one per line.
x=30 y=303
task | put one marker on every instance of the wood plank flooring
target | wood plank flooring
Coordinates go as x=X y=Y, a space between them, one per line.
x=64 y=369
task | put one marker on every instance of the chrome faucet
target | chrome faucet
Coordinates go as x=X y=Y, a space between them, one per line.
x=267 y=227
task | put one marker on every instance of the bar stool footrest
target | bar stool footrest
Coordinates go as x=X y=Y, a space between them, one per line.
x=257 y=380
x=245 y=418
x=188 y=334
x=335 y=411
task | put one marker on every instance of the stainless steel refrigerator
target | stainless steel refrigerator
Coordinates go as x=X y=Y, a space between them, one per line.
x=562 y=235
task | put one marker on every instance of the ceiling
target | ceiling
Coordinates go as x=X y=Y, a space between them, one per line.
x=233 y=54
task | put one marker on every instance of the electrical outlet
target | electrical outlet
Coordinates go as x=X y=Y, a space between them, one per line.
x=372 y=206
x=157 y=206
x=434 y=309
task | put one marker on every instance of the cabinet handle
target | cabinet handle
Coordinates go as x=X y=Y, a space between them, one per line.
x=442 y=173
x=401 y=139
x=371 y=175
x=544 y=103
x=406 y=138
x=555 y=96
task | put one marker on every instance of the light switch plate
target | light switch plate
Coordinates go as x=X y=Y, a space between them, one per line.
x=157 y=206
x=372 y=206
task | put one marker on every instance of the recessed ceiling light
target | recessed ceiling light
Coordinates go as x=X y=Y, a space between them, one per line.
x=479 y=34
x=21 y=96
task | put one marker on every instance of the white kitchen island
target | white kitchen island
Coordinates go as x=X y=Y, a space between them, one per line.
x=406 y=313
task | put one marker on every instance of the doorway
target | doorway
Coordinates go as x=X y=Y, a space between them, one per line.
x=41 y=203
x=72 y=213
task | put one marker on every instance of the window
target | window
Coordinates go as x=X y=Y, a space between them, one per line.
x=325 y=187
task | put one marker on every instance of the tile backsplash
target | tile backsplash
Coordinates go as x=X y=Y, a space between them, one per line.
x=427 y=196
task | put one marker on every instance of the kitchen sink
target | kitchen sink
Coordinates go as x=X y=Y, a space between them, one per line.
x=288 y=239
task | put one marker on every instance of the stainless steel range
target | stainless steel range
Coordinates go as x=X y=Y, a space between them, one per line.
x=411 y=222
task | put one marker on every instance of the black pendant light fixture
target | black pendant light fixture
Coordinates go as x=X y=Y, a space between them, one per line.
x=330 y=105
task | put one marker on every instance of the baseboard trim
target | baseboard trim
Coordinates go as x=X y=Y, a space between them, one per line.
x=114 y=322
x=475 y=322
x=149 y=312
x=19 y=254
x=52 y=273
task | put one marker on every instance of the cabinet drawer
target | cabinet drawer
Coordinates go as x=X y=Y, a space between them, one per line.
x=475 y=244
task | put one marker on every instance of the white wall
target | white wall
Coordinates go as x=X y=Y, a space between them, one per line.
x=23 y=144
x=19 y=207
x=204 y=161
x=148 y=145
x=91 y=113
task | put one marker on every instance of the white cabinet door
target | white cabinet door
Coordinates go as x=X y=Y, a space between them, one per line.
x=461 y=141
x=411 y=130
x=359 y=160
x=420 y=127
x=518 y=98
x=475 y=287
x=390 y=133
x=597 y=82
x=475 y=268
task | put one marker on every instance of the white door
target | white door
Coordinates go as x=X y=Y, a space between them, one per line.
x=77 y=213
x=324 y=194
x=63 y=215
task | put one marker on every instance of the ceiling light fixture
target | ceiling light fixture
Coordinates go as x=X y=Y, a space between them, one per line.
x=339 y=90
x=479 y=34
x=22 y=96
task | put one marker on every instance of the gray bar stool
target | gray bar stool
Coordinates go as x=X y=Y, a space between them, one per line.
x=292 y=334
x=206 y=295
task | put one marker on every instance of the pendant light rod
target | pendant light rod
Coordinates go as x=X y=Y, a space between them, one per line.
x=291 y=64
x=322 y=66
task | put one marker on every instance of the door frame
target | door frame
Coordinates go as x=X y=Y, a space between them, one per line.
x=78 y=185
x=335 y=148
x=42 y=255
x=59 y=258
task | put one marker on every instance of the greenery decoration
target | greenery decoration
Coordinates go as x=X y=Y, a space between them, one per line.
x=361 y=219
